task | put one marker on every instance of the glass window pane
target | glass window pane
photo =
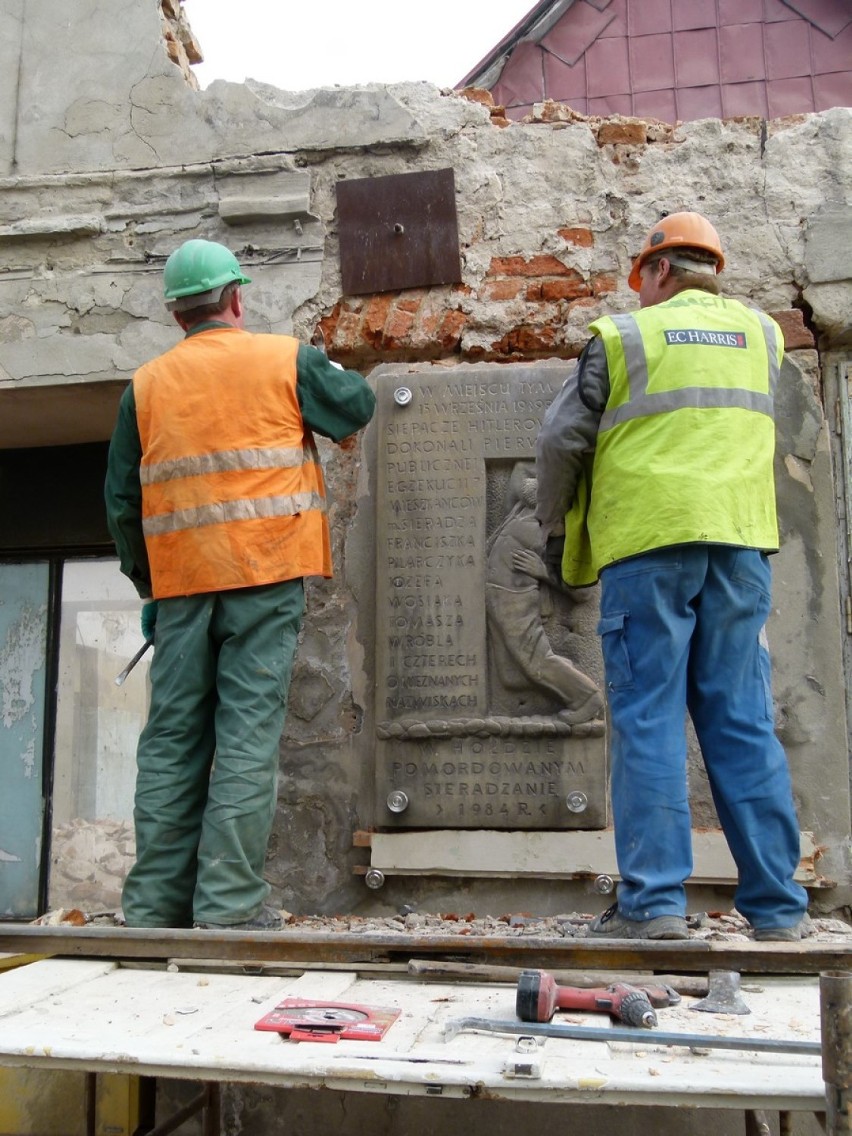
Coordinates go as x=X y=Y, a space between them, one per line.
x=23 y=646
x=97 y=727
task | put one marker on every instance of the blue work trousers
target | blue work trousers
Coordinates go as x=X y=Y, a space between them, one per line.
x=682 y=630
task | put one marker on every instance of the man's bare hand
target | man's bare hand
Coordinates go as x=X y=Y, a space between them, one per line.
x=349 y=443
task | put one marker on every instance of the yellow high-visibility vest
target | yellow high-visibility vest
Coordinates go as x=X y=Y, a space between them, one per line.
x=232 y=488
x=685 y=446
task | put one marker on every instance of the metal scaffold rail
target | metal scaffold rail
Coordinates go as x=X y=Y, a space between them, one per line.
x=293 y=945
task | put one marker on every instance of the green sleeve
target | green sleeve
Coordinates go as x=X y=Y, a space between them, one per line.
x=334 y=402
x=123 y=495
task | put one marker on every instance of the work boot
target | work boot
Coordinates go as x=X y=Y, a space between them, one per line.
x=782 y=934
x=267 y=919
x=611 y=924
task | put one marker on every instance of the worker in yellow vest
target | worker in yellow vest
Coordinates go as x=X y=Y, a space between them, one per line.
x=216 y=502
x=655 y=467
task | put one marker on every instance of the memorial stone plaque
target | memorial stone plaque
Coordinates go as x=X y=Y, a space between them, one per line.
x=483 y=719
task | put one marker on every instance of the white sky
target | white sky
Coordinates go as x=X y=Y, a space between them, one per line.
x=320 y=43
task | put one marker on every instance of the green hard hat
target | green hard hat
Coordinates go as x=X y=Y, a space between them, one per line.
x=197 y=273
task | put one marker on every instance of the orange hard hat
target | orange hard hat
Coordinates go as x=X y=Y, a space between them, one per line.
x=687 y=230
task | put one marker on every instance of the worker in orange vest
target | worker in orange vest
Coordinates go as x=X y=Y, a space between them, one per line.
x=216 y=502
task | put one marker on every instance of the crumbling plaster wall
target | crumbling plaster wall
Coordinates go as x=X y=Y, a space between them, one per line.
x=109 y=158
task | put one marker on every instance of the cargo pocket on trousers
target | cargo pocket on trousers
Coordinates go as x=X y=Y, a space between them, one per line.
x=612 y=630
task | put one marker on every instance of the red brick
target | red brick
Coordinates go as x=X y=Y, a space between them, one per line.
x=376 y=311
x=412 y=301
x=582 y=238
x=502 y=289
x=541 y=265
x=375 y=317
x=564 y=289
x=633 y=133
x=450 y=331
x=525 y=340
x=341 y=327
x=477 y=95
x=796 y=335
x=399 y=323
x=603 y=282
x=552 y=111
x=533 y=292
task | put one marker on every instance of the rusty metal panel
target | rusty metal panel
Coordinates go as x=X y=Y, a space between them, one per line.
x=399 y=231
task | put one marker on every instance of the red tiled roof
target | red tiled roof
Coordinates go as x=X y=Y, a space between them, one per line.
x=675 y=59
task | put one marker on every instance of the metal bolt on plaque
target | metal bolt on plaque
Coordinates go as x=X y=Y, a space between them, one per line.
x=397 y=801
x=374 y=879
x=577 y=802
x=603 y=884
x=402 y=396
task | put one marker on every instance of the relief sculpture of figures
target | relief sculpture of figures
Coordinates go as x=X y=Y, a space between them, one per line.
x=523 y=655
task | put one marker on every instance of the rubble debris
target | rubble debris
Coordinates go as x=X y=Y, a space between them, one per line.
x=715 y=926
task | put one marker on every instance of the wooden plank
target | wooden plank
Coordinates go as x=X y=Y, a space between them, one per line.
x=202 y=1028
x=45 y=979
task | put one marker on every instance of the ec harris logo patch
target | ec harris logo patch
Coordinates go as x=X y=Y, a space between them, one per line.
x=705 y=338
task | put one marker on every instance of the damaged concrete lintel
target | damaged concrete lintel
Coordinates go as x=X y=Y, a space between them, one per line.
x=551 y=855
x=75 y=414
x=266 y=163
x=323 y=119
x=245 y=210
x=265 y=195
x=52 y=226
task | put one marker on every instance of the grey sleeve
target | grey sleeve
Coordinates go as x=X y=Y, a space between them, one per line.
x=569 y=429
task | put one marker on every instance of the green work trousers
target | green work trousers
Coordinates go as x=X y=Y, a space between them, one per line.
x=207 y=761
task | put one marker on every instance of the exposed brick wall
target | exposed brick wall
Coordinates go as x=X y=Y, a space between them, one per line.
x=522 y=306
x=528 y=300
x=485 y=98
x=181 y=44
x=517 y=311
x=416 y=324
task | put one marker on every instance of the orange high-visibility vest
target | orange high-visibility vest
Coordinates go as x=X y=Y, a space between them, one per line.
x=232 y=488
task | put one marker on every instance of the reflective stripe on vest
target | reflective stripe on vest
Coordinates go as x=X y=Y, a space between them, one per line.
x=230 y=461
x=643 y=402
x=222 y=512
x=222 y=462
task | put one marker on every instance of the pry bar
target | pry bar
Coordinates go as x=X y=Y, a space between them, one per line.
x=595 y=1033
